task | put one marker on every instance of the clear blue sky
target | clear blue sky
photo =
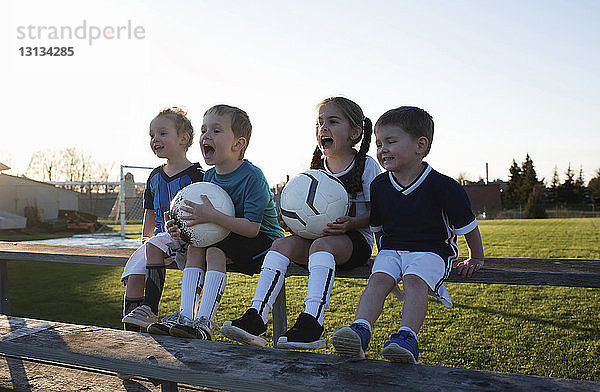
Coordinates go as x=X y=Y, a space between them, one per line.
x=501 y=79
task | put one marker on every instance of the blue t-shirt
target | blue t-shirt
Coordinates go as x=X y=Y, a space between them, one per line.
x=425 y=216
x=251 y=196
x=160 y=189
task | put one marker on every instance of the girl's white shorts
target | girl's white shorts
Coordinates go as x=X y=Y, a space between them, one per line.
x=175 y=250
x=428 y=266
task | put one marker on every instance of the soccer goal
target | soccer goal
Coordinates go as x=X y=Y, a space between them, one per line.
x=130 y=203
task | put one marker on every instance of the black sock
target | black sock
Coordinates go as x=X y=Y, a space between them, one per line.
x=128 y=305
x=155 y=281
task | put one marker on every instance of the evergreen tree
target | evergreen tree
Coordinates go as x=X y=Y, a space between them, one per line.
x=579 y=190
x=555 y=180
x=528 y=180
x=535 y=205
x=594 y=187
x=510 y=197
x=566 y=190
x=579 y=181
x=553 y=191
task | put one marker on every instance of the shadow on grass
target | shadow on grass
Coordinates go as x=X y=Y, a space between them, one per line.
x=529 y=318
x=81 y=294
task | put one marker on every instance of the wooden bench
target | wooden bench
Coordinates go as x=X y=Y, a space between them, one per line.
x=515 y=271
x=234 y=367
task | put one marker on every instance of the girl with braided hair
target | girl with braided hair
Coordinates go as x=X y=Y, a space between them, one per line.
x=347 y=243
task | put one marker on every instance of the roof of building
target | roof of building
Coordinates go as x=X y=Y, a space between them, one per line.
x=23 y=178
x=3 y=167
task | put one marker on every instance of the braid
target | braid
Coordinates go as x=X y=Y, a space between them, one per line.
x=355 y=184
x=317 y=162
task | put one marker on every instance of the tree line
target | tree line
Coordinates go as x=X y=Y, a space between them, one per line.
x=68 y=165
x=525 y=189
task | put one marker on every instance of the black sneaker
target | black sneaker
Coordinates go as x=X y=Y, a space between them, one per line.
x=248 y=329
x=306 y=334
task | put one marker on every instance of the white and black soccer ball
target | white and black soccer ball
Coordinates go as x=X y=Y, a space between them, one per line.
x=204 y=234
x=311 y=200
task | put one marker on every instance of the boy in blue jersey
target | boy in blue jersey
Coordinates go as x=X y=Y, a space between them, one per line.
x=225 y=134
x=416 y=213
x=171 y=134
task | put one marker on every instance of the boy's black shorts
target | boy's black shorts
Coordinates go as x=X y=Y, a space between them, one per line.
x=246 y=254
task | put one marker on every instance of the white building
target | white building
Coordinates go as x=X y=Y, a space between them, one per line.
x=21 y=197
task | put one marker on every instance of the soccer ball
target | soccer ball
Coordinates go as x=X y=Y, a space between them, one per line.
x=204 y=234
x=310 y=201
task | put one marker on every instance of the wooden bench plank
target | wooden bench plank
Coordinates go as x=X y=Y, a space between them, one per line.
x=555 y=272
x=246 y=368
x=43 y=376
x=517 y=274
x=116 y=257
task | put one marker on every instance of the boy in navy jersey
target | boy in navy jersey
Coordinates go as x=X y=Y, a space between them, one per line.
x=416 y=213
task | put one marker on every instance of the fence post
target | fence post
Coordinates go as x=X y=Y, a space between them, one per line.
x=279 y=313
x=4 y=303
x=122 y=204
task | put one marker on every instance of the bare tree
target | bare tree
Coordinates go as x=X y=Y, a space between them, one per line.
x=68 y=164
x=43 y=165
x=75 y=166
x=463 y=179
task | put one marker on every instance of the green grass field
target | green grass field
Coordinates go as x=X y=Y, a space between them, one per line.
x=545 y=331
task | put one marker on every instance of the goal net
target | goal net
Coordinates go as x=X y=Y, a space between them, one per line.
x=129 y=205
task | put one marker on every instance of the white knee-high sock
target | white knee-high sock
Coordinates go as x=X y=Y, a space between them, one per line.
x=214 y=286
x=270 y=280
x=321 y=272
x=191 y=287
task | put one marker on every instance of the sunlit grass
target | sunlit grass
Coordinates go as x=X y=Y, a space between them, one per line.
x=540 y=238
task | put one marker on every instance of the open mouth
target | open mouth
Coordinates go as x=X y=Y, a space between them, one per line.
x=157 y=149
x=208 y=151
x=326 y=142
x=387 y=160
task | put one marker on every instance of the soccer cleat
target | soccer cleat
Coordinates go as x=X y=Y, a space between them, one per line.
x=248 y=329
x=192 y=329
x=402 y=347
x=306 y=334
x=142 y=316
x=351 y=341
x=162 y=327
